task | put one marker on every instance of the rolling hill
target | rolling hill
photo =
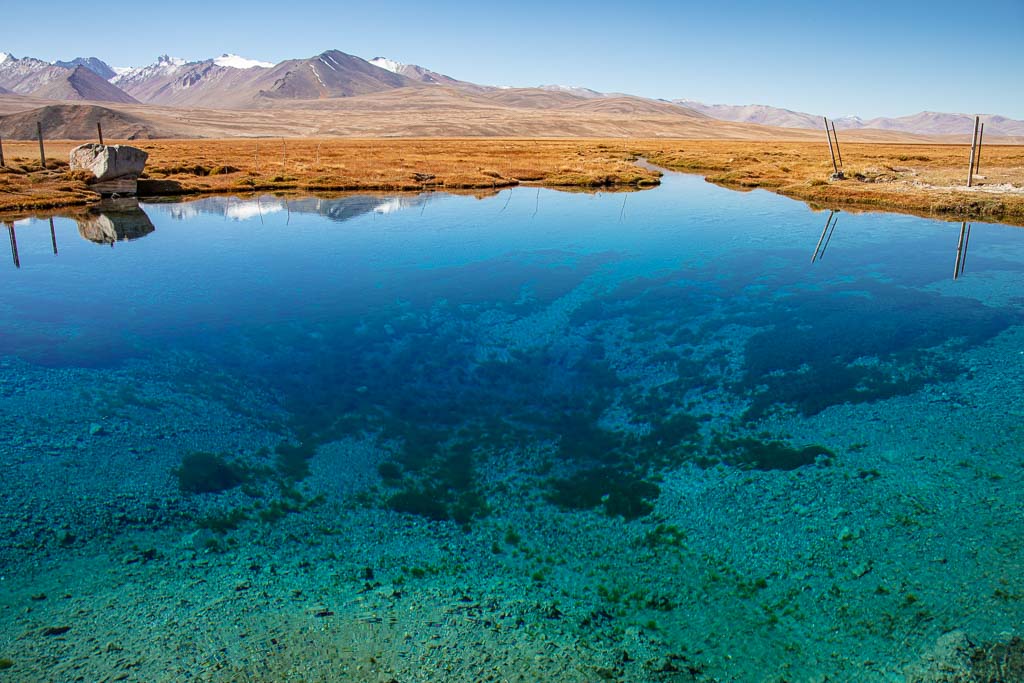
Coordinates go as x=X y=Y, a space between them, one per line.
x=77 y=122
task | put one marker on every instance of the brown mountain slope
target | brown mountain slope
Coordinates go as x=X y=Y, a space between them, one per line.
x=531 y=98
x=78 y=122
x=82 y=83
x=636 y=106
x=329 y=74
x=438 y=111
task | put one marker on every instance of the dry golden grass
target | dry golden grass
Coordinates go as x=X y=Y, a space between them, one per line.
x=218 y=166
x=926 y=180
x=913 y=178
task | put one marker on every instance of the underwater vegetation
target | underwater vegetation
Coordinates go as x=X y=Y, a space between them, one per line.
x=751 y=453
x=862 y=343
x=422 y=376
x=202 y=472
x=615 y=491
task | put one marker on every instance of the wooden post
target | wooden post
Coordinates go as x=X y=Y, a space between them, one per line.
x=53 y=237
x=99 y=131
x=42 y=153
x=974 y=145
x=830 y=150
x=2 y=163
x=837 y=143
x=977 y=155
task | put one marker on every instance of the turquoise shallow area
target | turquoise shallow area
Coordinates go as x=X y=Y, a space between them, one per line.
x=681 y=434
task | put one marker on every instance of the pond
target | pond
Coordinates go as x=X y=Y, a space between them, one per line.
x=680 y=434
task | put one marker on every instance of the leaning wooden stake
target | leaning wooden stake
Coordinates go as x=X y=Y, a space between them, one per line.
x=2 y=164
x=53 y=237
x=99 y=131
x=977 y=155
x=42 y=153
x=837 y=144
x=830 y=150
x=974 y=146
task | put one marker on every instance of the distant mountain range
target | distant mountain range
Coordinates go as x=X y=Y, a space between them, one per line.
x=232 y=82
x=924 y=123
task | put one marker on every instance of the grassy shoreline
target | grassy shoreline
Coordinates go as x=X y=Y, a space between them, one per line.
x=926 y=180
x=923 y=180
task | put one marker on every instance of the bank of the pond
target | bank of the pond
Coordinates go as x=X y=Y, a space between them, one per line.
x=925 y=180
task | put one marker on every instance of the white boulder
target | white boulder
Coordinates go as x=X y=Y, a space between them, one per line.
x=108 y=162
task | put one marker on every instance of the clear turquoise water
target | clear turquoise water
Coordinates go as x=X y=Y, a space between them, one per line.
x=695 y=426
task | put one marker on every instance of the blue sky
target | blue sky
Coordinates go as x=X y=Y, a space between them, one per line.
x=867 y=58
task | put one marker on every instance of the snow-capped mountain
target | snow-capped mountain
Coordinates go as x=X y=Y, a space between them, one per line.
x=94 y=64
x=231 y=81
x=573 y=90
x=389 y=64
x=163 y=66
x=236 y=62
x=234 y=82
x=417 y=73
x=25 y=75
x=77 y=79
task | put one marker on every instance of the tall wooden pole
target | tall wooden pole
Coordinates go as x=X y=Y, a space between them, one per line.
x=42 y=153
x=2 y=164
x=977 y=155
x=830 y=150
x=837 y=143
x=974 y=146
x=99 y=131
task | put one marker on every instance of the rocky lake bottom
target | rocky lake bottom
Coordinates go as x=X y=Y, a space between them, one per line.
x=678 y=435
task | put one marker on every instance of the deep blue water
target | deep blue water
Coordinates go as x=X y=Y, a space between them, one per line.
x=629 y=336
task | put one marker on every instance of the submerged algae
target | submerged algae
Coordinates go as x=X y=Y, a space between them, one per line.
x=202 y=472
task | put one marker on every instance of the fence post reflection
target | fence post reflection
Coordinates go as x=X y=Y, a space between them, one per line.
x=14 y=243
